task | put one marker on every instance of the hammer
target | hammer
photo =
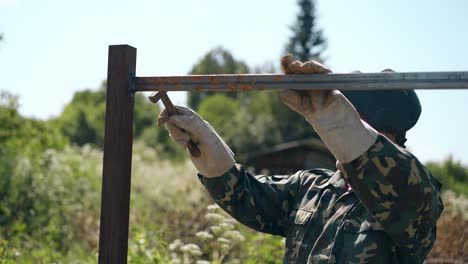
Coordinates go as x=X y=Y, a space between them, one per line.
x=171 y=110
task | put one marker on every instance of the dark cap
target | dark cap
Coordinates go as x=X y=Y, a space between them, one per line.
x=387 y=111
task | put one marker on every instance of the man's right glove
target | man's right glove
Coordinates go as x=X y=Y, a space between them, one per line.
x=216 y=157
x=333 y=117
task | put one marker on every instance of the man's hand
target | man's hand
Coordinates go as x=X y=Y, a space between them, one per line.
x=216 y=157
x=306 y=103
x=333 y=117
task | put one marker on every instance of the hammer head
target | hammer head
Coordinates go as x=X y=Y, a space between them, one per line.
x=155 y=97
x=170 y=108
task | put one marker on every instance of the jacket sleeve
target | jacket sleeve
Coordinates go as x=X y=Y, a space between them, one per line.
x=260 y=202
x=398 y=191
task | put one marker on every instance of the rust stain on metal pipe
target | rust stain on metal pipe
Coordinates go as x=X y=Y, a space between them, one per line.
x=213 y=81
x=231 y=86
x=246 y=87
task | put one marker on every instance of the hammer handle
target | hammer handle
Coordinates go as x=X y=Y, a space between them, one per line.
x=171 y=110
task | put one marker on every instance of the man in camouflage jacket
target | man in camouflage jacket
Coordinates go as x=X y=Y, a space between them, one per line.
x=380 y=205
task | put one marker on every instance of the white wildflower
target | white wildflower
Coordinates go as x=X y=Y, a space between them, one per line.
x=192 y=249
x=212 y=208
x=224 y=248
x=214 y=218
x=231 y=221
x=216 y=230
x=203 y=235
x=175 y=245
x=235 y=236
x=202 y=262
x=175 y=259
x=223 y=240
x=226 y=226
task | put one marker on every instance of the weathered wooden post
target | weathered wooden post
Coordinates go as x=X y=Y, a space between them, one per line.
x=117 y=165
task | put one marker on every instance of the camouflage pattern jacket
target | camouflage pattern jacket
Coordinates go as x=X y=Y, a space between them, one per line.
x=389 y=216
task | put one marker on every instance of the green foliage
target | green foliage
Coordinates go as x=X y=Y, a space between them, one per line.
x=220 y=110
x=307 y=40
x=38 y=206
x=291 y=125
x=452 y=174
x=224 y=240
x=211 y=245
x=82 y=122
x=253 y=122
x=146 y=245
x=216 y=61
x=23 y=144
x=83 y=119
x=20 y=135
x=50 y=193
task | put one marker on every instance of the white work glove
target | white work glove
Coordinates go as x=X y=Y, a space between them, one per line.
x=333 y=117
x=216 y=157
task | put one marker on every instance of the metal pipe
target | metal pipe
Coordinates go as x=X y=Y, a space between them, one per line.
x=344 y=82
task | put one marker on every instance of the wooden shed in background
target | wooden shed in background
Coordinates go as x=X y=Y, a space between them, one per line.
x=290 y=157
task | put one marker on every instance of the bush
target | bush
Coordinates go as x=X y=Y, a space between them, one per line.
x=452 y=174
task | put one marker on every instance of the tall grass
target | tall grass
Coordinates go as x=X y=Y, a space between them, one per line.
x=54 y=203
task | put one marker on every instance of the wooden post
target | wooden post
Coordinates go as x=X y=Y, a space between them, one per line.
x=117 y=165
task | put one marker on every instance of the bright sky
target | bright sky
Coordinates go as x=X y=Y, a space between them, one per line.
x=53 y=48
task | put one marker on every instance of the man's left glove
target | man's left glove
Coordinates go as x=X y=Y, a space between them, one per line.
x=333 y=117
x=216 y=157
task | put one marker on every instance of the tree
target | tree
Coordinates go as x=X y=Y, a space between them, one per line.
x=20 y=135
x=216 y=61
x=246 y=124
x=82 y=120
x=23 y=144
x=307 y=41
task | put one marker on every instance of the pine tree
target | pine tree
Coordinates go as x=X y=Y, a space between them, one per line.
x=307 y=41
